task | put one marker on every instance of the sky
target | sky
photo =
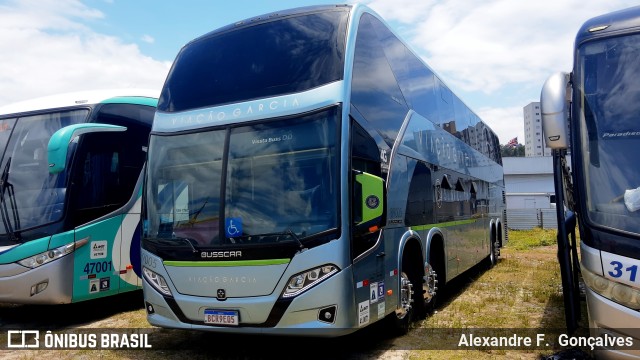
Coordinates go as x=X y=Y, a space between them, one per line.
x=494 y=54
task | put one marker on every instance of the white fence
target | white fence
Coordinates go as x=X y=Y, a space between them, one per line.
x=525 y=219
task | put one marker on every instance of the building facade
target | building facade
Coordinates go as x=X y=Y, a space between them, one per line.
x=534 y=138
x=530 y=192
x=529 y=182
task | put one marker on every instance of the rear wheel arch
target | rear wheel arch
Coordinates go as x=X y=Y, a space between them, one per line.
x=412 y=260
x=436 y=255
x=435 y=271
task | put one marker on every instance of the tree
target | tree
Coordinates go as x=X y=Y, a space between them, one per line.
x=512 y=151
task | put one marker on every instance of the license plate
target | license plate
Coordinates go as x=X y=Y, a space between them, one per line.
x=221 y=317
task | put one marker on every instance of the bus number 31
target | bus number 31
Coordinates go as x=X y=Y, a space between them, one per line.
x=617 y=270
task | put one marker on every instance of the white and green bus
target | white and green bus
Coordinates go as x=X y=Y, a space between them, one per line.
x=70 y=195
x=308 y=174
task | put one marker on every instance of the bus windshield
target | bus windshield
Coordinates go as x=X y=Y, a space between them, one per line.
x=280 y=183
x=29 y=195
x=287 y=55
x=607 y=73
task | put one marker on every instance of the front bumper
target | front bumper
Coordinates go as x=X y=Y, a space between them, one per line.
x=16 y=282
x=608 y=317
x=300 y=316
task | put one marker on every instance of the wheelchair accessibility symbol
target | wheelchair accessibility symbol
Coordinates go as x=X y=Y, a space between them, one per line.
x=233 y=227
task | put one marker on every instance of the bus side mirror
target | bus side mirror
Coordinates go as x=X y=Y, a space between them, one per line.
x=368 y=203
x=554 y=98
x=59 y=142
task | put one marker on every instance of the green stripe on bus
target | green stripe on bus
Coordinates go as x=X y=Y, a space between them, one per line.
x=444 y=224
x=226 y=263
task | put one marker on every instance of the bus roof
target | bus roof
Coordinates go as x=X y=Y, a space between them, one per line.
x=271 y=16
x=610 y=24
x=355 y=9
x=78 y=98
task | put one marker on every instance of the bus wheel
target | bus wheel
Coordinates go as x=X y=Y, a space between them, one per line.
x=494 y=251
x=402 y=317
x=430 y=289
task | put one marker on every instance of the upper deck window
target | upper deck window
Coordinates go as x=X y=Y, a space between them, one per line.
x=282 y=56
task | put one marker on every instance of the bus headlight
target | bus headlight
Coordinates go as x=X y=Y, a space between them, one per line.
x=47 y=256
x=302 y=282
x=157 y=281
x=622 y=294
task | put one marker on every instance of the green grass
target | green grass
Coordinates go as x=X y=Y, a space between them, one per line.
x=522 y=292
x=528 y=239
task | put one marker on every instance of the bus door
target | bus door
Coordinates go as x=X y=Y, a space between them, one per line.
x=369 y=269
x=370 y=282
x=103 y=208
x=367 y=244
x=97 y=192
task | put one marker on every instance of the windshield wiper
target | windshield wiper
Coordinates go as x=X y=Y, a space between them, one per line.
x=288 y=232
x=6 y=186
x=171 y=242
x=188 y=241
x=295 y=237
x=193 y=219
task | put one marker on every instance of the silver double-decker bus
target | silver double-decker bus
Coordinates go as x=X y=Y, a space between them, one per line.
x=309 y=174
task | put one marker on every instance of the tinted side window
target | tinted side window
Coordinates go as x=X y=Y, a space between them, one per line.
x=462 y=118
x=445 y=107
x=365 y=152
x=497 y=157
x=415 y=79
x=492 y=146
x=365 y=156
x=375 y=92
x=107 y=165
x=96 y=178
x=474 y=132
x=420 y=200
x=137 y=119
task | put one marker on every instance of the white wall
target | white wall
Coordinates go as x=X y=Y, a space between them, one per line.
x=528 y=182
x=528 y=201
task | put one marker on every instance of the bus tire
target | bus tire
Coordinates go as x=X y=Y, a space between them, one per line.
x=400 y=319
x=412 y=306
x=434 y=279
x=493 y=258
x=494 y=250
x=431 y=291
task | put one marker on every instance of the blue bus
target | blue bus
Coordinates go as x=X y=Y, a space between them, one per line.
x=308 y=174
x=593 y=111
x=70 y=195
